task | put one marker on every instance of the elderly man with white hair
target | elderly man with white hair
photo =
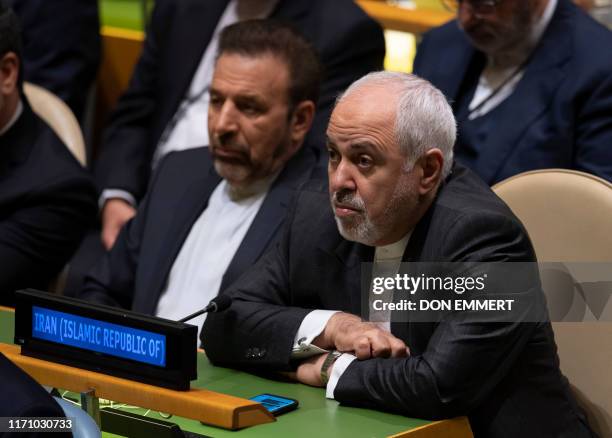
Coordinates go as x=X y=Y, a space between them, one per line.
x=398 y=200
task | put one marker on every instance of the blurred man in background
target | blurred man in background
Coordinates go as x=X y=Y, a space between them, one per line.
x=61 y=47
x=530 y=82
x=47 y=200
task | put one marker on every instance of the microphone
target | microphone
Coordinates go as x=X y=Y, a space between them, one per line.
x=218 y=304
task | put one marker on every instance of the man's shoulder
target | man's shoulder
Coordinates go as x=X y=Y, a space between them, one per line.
x=465 y=192
x=592 y=42
x=471 y=222
x=448 y=33
x=439 y=47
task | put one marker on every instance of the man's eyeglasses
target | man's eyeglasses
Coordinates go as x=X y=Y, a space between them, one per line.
x=478 y=6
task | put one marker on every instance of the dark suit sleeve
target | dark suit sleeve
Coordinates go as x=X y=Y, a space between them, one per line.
x=37 y=239
x=61 y=46
x=127 y=149
x=468 y=354
x=111 y=281
x=261 y=321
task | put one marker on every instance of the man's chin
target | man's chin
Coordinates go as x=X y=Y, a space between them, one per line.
x=234 y=173
x=353 y=231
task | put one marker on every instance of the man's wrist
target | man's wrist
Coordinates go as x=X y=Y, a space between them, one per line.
x=327 y=365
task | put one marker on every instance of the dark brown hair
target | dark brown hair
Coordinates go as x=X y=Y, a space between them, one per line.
x=280 y=39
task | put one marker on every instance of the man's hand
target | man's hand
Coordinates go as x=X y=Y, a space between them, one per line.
x=309 y=371
x=115 y=214
x=347 y=333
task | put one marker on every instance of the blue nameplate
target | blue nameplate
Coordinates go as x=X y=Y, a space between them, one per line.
x=106 y=339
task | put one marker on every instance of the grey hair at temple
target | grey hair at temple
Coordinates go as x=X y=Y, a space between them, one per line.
x=424 y=119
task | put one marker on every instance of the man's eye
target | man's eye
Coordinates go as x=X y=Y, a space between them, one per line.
x=215 y=100
x=333 y=155
x=365 y=161
x=250 y=109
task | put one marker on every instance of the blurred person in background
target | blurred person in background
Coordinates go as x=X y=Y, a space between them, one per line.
x=61 y=47
x=530 y=83
x=47 y=200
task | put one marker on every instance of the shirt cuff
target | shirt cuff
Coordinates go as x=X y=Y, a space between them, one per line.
x=312 y=326
x=116 y=193
x=340 y=366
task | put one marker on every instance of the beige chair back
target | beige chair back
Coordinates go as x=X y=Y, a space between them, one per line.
x=59 y=117
x=568 y=215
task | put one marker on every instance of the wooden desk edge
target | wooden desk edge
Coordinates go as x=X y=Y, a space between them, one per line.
x=452 y=428
x=210 y=407
x=405 y=20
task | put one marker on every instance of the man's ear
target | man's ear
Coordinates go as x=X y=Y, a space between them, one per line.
x=9 y=73
x=301 y=121
x=431 y=164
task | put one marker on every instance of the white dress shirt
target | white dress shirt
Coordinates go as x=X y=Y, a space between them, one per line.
x=214 y=238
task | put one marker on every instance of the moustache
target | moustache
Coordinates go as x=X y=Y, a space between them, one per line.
x=348 y=199
x=229 y=150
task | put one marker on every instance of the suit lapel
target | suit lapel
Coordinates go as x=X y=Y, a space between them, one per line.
x=351 y=256
x=270 y=216
x=413 y=254
x=463 y=58
x=192 y=203
x=266 y=223
x=532 y=96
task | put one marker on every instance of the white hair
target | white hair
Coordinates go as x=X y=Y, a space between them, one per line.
x=424 y=120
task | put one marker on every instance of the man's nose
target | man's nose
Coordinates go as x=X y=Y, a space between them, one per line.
x=341 y=177
x=466 y=14
x=226 y=120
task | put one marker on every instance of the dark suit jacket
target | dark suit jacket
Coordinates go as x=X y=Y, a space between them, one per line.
x=61 y=46
x=133 y=274
x=559 y=114
x=47 y=201
x=21 y=396
x=504 y=376
x=349 y=43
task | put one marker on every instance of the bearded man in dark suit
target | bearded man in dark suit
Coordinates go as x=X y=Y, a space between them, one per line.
x=396 y=197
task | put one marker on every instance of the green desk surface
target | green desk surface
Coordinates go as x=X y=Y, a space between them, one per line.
x=316 y=415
